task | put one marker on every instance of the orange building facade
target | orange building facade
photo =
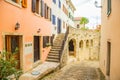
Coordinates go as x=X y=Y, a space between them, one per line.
x=110 y=40
x=26 y=25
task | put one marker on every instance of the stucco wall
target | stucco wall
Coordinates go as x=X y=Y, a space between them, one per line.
x=110 y=32
x=29 y=25
x=58 y=12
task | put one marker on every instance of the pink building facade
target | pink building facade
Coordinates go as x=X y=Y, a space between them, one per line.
x=26 y=25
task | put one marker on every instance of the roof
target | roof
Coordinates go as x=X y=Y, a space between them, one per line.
x=77 y=18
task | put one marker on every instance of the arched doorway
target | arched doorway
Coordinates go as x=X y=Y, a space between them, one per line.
x=81 y=44
x=72 y=45
x=87 y=43
x=91 y=43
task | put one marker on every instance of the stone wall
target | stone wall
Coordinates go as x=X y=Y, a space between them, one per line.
x=86 y=45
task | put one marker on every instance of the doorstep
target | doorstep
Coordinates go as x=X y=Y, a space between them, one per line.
x=40 y=71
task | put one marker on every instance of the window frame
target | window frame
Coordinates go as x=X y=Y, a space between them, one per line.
x=59 y=5
x=53 y=19
x=14 y=3
x=54 y=1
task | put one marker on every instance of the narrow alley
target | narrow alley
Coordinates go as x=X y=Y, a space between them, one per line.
x=59 y=39
x=85 y=70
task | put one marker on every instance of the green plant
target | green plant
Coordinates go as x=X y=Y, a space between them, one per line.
x=48 y=44
x=8 y=66
x=84 y=21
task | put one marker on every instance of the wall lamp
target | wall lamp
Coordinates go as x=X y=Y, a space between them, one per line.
x=38 y=31
x=96 y=5
x=17 y=26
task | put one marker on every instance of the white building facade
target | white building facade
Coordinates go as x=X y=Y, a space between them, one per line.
x=62 y=15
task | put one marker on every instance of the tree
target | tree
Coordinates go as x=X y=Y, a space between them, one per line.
x=84 y=21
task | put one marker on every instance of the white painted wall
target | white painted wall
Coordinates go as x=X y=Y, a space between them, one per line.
x=58 y=12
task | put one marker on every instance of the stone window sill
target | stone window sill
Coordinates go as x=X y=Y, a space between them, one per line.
x=13 y=3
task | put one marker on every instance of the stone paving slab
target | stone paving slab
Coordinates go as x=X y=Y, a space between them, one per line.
x=39 y=71
x=86 y=70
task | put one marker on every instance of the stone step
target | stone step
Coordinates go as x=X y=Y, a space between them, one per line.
x=57 y=46
x=57 y=49
x=52 y=60
x=59 y=38
x=53 y=56
x=51 y=51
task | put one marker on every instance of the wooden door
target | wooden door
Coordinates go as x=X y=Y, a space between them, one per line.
x=36 y=48
x=108 y=58
x=12 y=43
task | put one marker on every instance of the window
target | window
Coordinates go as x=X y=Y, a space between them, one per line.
x=36 y=6
x=46 y=41
x=54 y=1
x=59 y=4
x=65 y=10
x=18 y=3
x=63 y=25
x=41 y=8
x=47 y=12
x=53 y=19
x=108 y=7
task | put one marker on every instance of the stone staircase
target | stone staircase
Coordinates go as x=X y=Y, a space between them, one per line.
x=54 y=54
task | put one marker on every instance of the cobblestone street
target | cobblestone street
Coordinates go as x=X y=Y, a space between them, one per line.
x=87 y=70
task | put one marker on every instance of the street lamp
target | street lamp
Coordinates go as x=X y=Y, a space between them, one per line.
x=96 y=4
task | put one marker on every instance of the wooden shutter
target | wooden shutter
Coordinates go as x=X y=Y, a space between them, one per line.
x=33 y=5
x=108 y=7
x=17 y=1
x=24 y=3
x=42 y=8
x=50 y=14
x=45 y=10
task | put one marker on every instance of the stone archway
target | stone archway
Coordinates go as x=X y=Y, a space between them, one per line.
x=87 y=43
x=91 y=43
x=72 y=47
x=81 y=44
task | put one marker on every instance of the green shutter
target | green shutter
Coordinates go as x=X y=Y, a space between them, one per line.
x=108 y=7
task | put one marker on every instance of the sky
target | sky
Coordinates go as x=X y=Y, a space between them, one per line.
x=86 y=8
